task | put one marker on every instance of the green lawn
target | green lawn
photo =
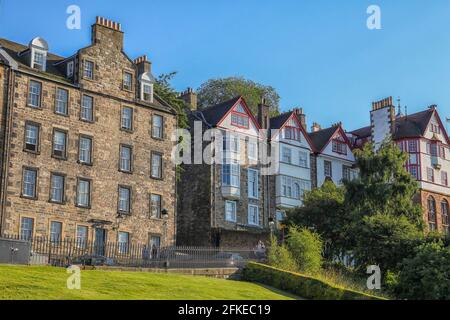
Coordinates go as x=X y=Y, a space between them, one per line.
x=49 y=283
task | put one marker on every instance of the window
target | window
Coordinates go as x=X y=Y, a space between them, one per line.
x=39 y=60
x=59 y=143
x=127 y=81
x=29 y=183
x=125 y=158
x=147 y=92
x=430 y=174
x=434 y=149
x=253 y=215
x=442 y=152
x=432 y=221
x=252 y=150
x=239 y=120
x=62 y=100
x=156 y=160
x=231 y=174
x=82 y=236
x=55 y=231
x=124 y=199
x=70 y=69
x=34 y=94
x=444 y=178
x=57 y=188
x=85 y=150
x=127 y=118
x=303 y=159
x=339 y=147
x=230 y=211
x=445 y=217
x=291 y=133
x=253 y=184
x=414 y=172
x=434 y=127
x=87 y=107
x=294 y=188
x=412 y=146
x=155 y=206
x=84 y=193
x=26 y=228
x=31 y=137
x=286 y=155
x=123 y=239
x=231 y=143
x=327 y=169
x=88 y=71
x=157 y=126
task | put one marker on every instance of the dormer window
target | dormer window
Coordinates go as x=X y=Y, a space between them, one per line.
x=38 y=48
x=148 y=92
x=70 y=68
x=146 y=87
x=291 y=131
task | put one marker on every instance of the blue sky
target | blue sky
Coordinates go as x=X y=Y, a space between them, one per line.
x=319 y=54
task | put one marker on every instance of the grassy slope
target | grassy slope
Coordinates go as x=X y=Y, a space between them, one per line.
x=49 y=283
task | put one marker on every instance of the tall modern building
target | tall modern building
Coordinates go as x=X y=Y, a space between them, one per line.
x=85 y=144
x=424 y=138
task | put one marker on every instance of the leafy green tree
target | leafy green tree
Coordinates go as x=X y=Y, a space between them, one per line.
x=306 y=249
x=323 y=211
x=215 y=91
x=384 y=186
x=384 y=240
x=426 y=275
x=165 y=91
x=280 y=257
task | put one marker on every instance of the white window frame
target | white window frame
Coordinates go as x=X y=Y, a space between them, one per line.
x=126 y=121
x=253 y=217
x=29 y=181
x=62 y=102
x=57 y=188
x=126 y=156
x=286 y=155
x=157 y=130
x=252 y=150
x=325 y=173
x=39 y=65
x=123 y=246
x=234 y=174
x=70 y=69
x=56 y=232
x=254 y=184
x=87 y=109
x=232 y=217
x=85 y=152
x=124 y=199
x=145 y=85
x=34 y=94
x=304 y=163
x=88 y=73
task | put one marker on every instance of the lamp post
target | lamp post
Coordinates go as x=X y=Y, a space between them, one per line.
x=165 y=216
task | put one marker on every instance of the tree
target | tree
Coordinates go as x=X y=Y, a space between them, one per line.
x=280 y=257
x=383 y=240
x=164 y=90
x=215 y=91
x=306 y=249
x=426 y=275
x=384 y=186
x=323 y=211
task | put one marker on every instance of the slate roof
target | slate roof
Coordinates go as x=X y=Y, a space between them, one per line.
x=20 y=53
x=321 y=138
x=413 y=125
x=278 y=121
x=214 y=114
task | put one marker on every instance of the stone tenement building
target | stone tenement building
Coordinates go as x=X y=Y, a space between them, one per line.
x=424 y=138
x=85 y=144
x=225 y=205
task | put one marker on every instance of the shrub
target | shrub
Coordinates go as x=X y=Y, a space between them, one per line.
x=306 y=248
x=426 y=275
x=301 y=285
x=280 y=257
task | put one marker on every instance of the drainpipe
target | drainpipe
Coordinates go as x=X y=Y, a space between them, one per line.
x=6 y=142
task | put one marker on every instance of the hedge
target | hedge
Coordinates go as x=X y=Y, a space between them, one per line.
x=300 y=285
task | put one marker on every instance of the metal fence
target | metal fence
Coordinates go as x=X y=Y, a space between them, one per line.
x=47 y=251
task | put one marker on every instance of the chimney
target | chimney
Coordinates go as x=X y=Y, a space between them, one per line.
x=190 y=97
x=143 y=65
x=382 y=120
x=315 y=127
x=107 y=33
x=264 y=114
x=301 y=117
